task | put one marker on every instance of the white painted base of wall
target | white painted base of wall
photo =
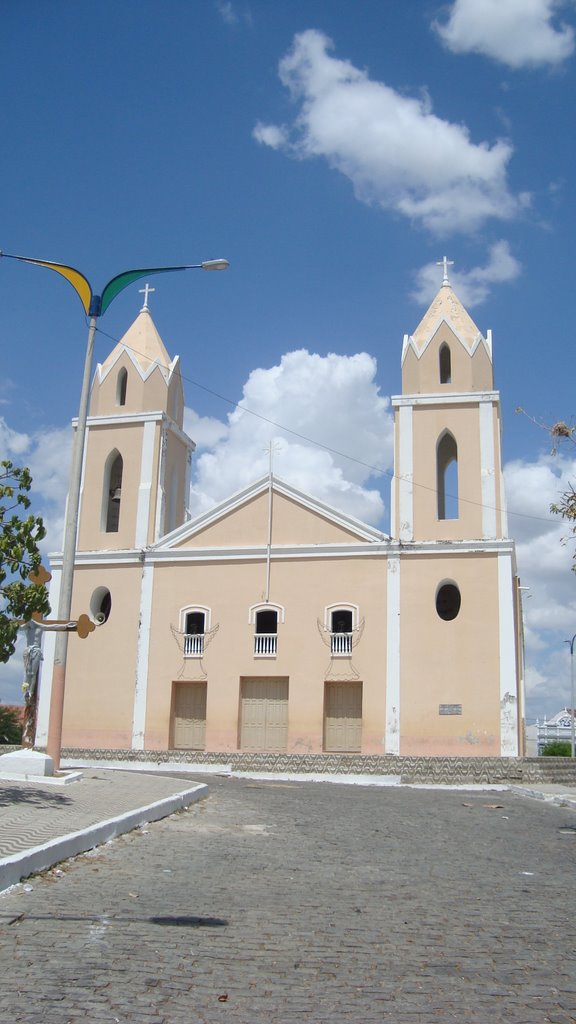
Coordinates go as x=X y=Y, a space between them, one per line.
x=27 y=762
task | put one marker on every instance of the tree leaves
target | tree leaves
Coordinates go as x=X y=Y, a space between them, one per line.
x=19 y=556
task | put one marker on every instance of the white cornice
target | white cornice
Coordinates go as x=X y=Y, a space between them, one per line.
x=126 y=418
x=120 y=557
x=259 y=553
x=157 y=556
x=451 y=398
x=458 y=547
x=320 y=551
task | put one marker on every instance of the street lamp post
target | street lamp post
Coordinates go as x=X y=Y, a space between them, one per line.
x=94 y=307
x=572 y=729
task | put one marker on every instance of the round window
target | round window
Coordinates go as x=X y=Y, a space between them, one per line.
x=448 y=601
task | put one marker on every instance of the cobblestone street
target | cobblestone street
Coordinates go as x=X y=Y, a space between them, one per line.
x=277 y=902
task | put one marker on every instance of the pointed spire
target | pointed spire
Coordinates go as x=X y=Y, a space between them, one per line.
x=446 y=306
x=143 y=341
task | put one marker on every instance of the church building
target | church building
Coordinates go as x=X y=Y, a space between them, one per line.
x=274 y=622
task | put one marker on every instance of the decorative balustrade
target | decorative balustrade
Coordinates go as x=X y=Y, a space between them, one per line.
x=265 y=644
x=341 y=643
x=193 y=645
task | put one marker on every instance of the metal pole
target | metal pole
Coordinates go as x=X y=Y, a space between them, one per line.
x=572 y=730
x=54 y=743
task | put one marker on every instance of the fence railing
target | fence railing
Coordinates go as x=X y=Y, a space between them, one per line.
x=193 y=645
x=265 y=643
x=341 y=643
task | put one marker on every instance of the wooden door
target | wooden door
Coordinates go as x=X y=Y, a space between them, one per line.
x=343 y=717
x=190 y=716
x=264 y=714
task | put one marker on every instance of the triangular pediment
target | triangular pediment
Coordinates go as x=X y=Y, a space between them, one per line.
x=242 y=521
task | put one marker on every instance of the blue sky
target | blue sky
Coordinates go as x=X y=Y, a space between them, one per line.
x=332 y=151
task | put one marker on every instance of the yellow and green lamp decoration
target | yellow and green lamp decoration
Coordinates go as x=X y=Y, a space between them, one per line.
x=95 y=305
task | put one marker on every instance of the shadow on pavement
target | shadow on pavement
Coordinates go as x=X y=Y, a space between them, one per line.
x=35 y=797
x=177 y=921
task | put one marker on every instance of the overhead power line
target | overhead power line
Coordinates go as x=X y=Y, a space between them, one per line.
x=378 y=470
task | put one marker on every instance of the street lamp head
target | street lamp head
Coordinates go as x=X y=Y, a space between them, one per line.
x=215 y=265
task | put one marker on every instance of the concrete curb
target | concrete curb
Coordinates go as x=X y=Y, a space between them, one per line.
x=560 y=799
x=63 y=779
x=13 y=869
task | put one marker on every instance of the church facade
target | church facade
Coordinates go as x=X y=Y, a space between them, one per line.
x=274 y=622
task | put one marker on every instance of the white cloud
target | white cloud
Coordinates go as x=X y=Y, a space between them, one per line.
x=471 y=286
x=227 y=12
x=272 y=135
x=394 y=150
x=231 y=15
x=206 y=431
x=12 y=443
x=544 y=560
x=332 y=399
x=518 y=33
x=47 y=455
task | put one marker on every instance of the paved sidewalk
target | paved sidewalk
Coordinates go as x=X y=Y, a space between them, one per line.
x=277 y=902
x=41 y=823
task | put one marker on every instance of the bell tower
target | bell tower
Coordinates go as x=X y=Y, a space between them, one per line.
x=448 y=478
x=136 y=472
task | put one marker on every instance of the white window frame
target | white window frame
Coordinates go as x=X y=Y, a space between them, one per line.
x=265 y=650
x=344 y=606
x=184 y=612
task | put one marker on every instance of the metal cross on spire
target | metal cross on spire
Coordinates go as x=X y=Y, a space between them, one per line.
x=445 y=263
x=146 y=292
x=271 y=450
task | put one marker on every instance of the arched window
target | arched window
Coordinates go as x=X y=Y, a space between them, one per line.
x=448 y=601
x=195 y=624
x=265 y=618
x=266 y=632
x=445 y=360
x=341 y=624
x=194 y=630
x=447 y=476
x=112 y=496
x=121 y=385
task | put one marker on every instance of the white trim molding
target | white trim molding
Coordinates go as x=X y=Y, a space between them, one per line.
x=392 y=737
x=145 y=486
x=264 y=606
x=449 y=398
x=195 y=608
x=142 y=658
x=104 y=369
x=344 y=606
x=487 y=470
x=362 y=530
x=508 y=669
x=420 y=348
x=405 y=474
